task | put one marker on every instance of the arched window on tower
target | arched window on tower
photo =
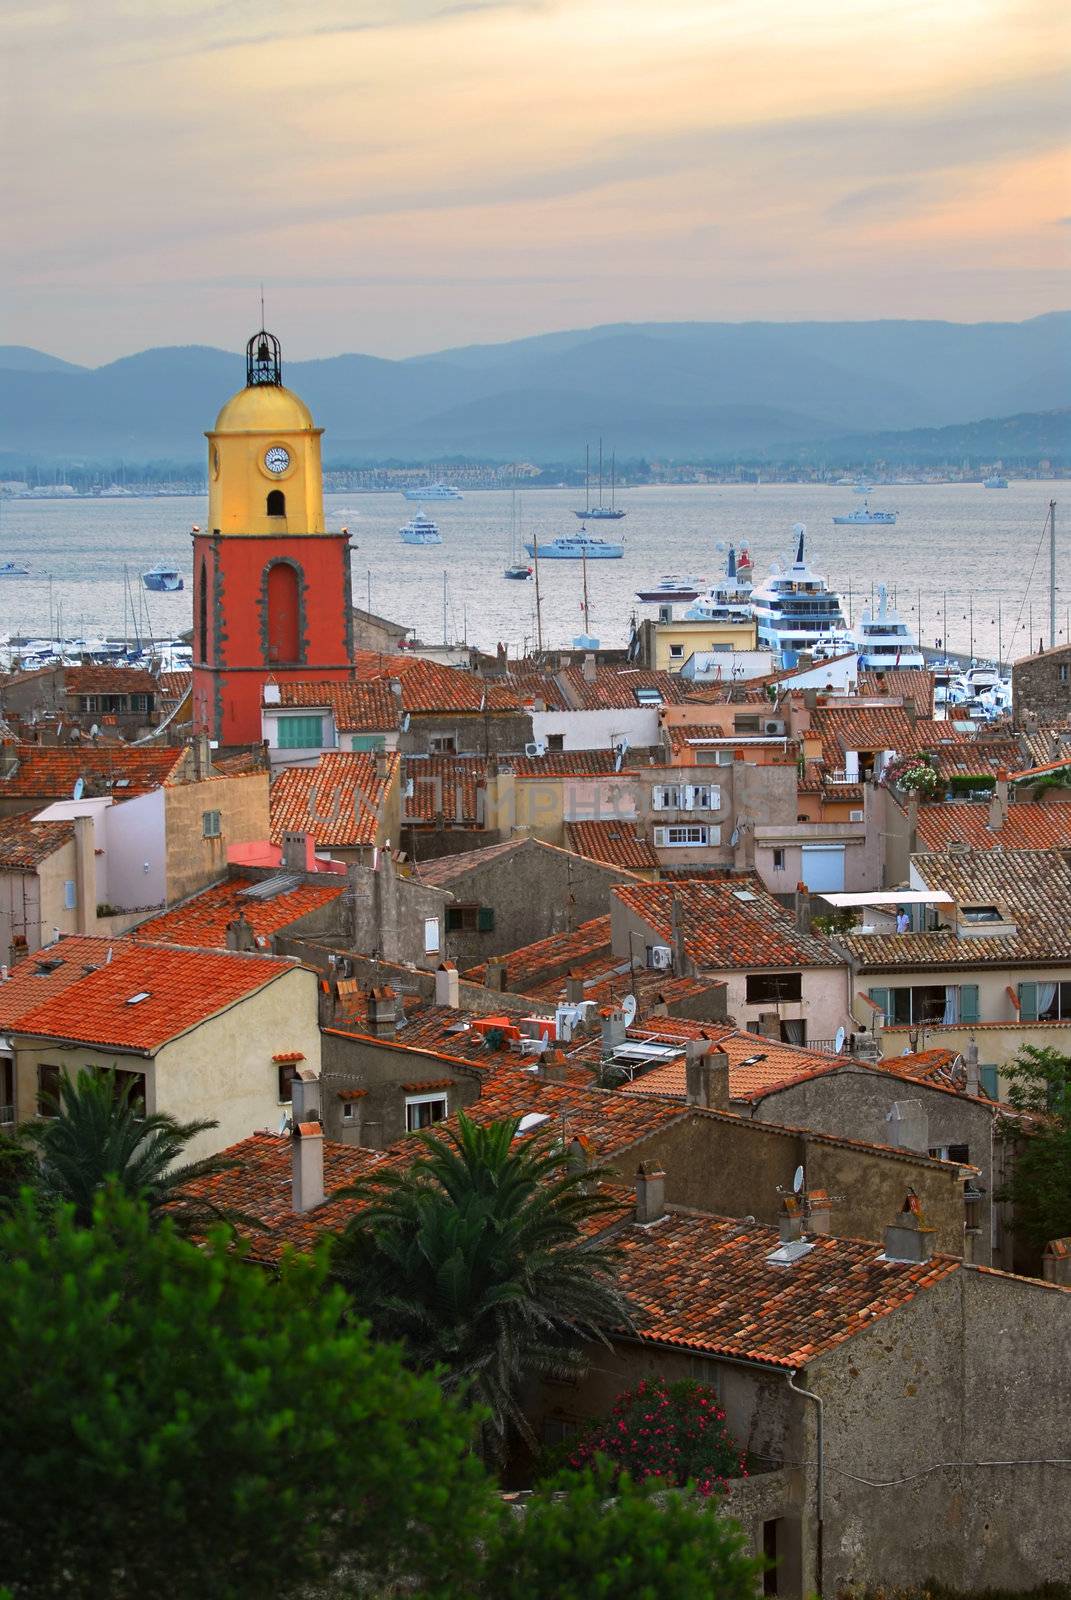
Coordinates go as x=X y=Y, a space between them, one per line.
x=276 y=503
x=202 y=614
x=284 y=637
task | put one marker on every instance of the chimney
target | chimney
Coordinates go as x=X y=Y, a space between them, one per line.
x=907 y=1126
x=299 y=852
x=202 y=756
x=819 y=1207
x=1056 y=1263
x=803 y=908
x=998 y=806
x=614 y=1028
x=707 y=1080
x=580 y=1154
x=574 y=991
x=770 y=1025
x=85 y=871
x=588 y=668
x=909 y=1238
x=970 y=1061
x=650 y=1193
x=810 y=699
x=306 y=1142
x=553 y=1067
x=676 y=934
x=447 y=985
x=239 y=934
x=382 y=766
x=790 y=1222
x=384 y=1010
x=495 y=976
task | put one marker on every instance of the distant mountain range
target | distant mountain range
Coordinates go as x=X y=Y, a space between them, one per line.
x=689 y=391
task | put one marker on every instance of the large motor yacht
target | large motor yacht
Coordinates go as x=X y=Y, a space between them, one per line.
x=794 y=607
x=883 y=640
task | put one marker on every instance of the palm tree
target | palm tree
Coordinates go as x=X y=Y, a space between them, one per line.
x=477 y=1258
x=100 y=1135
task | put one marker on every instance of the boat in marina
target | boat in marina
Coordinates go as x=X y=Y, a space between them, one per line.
x=162 y=579
x=598 y=512
x=517 y=569
x=672 y=588
x=578 y=547
x=13 y=569
x=420 y=530
x=883 y=639
x=729 y=600
x=433 y=491
x=995 y=481
x=794 y=607
x=864 y=517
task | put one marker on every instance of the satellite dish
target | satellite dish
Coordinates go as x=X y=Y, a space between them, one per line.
x=839 y=1040
x=79 y=789
x=797 y=1181
x=628 y=1008
x=734 y=838
x=405 y=723
x=284 y=1123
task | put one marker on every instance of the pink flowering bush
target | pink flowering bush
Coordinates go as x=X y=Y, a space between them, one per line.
x=672 y=1431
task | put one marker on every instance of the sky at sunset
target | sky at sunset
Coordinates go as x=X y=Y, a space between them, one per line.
x=406 y=175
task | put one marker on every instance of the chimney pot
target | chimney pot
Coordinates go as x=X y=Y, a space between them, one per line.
x=447 y=985
x=819 y=1208
x=650 y=1192
x=707 y=1080
x=909 y=1238
x=803 y=908
x=970 y=1061
x=574 y=991
x=495 y=976
x=614 y=1028
x=790 y=1222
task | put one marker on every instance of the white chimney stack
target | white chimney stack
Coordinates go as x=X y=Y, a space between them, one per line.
x=307 y=1142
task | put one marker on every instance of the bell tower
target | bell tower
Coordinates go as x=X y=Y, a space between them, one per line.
x=271 y=586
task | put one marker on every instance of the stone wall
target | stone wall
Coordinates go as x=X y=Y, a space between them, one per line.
x=1041 y=687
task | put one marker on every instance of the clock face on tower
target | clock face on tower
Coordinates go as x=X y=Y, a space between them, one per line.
x=277 y=459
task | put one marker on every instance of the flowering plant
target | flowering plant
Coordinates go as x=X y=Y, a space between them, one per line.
x=914 y=774
x=672 y=1431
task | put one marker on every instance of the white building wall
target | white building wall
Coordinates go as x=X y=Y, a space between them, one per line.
x=132 y=874
x=597 y=730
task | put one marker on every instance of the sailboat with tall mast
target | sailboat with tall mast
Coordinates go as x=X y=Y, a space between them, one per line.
x=598 y=512
x=584 y=641
x=516 y=569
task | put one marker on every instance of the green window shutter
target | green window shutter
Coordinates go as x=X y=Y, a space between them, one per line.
x=300 y=733
x=1028 y=1002
x=368 y=741
x=880 y=998
x=485 y=919
x=968 y=1002
x=453 y=919
x=991 y=1081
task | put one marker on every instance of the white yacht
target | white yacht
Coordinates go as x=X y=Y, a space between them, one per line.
x=794 y=608
x=883 y=639
x=582 y=546
x=863 y=517
x=729 y=600
x=433 y=491
x=421 y=530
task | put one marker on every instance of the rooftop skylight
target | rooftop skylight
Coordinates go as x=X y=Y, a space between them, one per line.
x=136 y=999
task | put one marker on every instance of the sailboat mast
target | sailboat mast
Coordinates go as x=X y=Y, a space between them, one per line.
x=444 y=608
x=584 y=568
x=1052 y=574
x=587 y=479
x=613 y=477
x=539 y=598
x=600 y=472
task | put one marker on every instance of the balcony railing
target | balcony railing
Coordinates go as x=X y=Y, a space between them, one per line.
x=839 y=775
x=7 y=1116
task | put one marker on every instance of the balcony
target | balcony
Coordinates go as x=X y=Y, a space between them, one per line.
x=7 y=1116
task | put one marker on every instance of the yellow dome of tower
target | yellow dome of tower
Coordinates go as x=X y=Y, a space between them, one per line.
x=264 y=470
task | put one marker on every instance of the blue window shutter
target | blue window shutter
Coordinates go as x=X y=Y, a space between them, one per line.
x=1028 y=1002
x=368 y=741
x=991 y=1081
x=968 y=1002
x=880 y=998
x=485 y=919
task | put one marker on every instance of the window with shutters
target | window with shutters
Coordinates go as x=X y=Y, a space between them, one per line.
x=990 y=1081
x=422 y=1110
x=70 y=895
x=300 y=733
x=48 y=1088
x=683 y=835
x=211 y=825
x=666 y=797
x=368 y=741
x=1045 y=1002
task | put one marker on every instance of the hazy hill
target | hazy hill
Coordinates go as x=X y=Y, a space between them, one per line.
x=654 y=389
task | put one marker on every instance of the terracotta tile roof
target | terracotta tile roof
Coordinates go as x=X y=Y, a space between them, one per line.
x=566 y=764
x=429 y=686
x=612 y=842
x=531 y=963
x=50 y=772
x=915 y=685
x=446 y=785
x=1027 y=773
x=182 y=987
x=442 y=870
x=108 y=680
x=175 y=685
x=1031 y=887
x=49 y=971
x=705 y=1283
x=971 y=757
x=25 y=844
x=614 y=688
x=877 y=728
x=202 y=920
x=727 y=923
x=529 y=686
x=369 y=707
x=338 y=800
x=1040 y=746
x=1026 y=826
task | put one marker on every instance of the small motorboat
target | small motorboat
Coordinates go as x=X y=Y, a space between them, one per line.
x=671 y=588
x=13 y=569
x=162 y=579
x=518 y=571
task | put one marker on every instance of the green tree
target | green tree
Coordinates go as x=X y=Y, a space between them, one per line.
x=598 y=1536
x=674 y=1432
x=101 y=1135
x=1040 y=1184
x=179 y=1423
x=477 y=1259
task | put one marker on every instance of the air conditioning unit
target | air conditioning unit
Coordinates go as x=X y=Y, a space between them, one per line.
x=536 y=747
x=774 y=726
x=661 y=957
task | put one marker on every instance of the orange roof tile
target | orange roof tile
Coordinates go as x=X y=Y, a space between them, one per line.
x=446 y=786
x=1026 y=826
x=339 y=800
x=614 y=688
x=566 y=764
x=429 y=686
x=108 y=680
x=25 y=844
x=369 y=707
x=49 y=772
x=727 y=923
x=533 y=962
x=202 y=920
x=182 y=988
x=614 y=843
x=50 y=970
